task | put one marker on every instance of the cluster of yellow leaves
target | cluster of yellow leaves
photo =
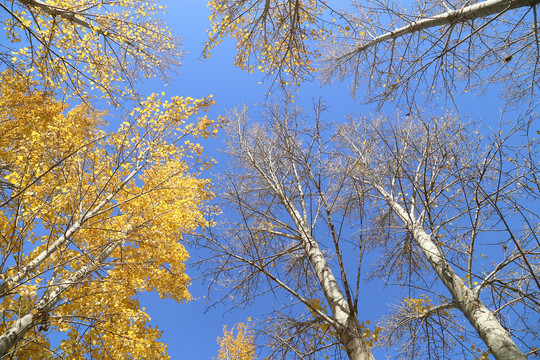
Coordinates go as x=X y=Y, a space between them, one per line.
x=78 y=46
x=370 y=336
x=274 y=36
x=56 y=168
x=419 y=305
x=239 y=347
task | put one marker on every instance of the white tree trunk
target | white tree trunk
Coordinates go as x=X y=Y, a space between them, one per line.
x=67 y=14
x=52 y=296
x=350 y=333
x=467 y=13
x=481 y=318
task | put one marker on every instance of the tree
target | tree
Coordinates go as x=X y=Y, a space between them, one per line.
x=77 y=46
x=445 y=216
x=239 y=347
x=423 y=50
x=91 y=218
x=291 y=214
x=389 y=49
x=462 y=204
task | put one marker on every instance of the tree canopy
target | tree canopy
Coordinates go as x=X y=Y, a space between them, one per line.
x=422 y=201
x=91 y=218
x=436 y=209
x=78 y=46
x=388 y=50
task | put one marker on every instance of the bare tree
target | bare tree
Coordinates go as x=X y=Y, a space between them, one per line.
x=422 y=48
x=447 y=216
x=465 y=203
x=285 y=242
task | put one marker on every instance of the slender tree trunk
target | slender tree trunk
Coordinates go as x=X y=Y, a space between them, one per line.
x=69 y=15
x=467 y=13
x=46 y=303
x=481 y=318
x=350 y=333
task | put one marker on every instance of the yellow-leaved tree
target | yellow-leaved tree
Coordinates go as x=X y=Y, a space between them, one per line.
x=275 y=37
x=89 y=219
x=239 y=347
x=390 y=50
x=78 y=46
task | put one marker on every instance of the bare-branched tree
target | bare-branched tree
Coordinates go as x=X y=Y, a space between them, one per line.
x=466 y=205
x=422 y=48
x=448 y=217
x=285 y=239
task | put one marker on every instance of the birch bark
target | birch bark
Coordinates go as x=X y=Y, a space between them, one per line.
x=467 y=13
x=468 y=302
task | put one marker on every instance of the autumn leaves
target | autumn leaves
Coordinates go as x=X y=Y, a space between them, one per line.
x=91 y=216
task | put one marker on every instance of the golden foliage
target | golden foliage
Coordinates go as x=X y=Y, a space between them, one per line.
x=273 y=36
x=239 y=347
x=97 y=216
x=77 y=46
x=419 y=305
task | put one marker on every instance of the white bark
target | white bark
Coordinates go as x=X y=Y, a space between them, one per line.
x=350 y=332
x=66 y=14
x=346 y=321
x=51 y=298
x=11 y=282
x=481 y=318
x=467 y=13
x=349 y=328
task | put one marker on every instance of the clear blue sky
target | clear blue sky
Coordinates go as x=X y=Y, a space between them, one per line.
x=190 y=332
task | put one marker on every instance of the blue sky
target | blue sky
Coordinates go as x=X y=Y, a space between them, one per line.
x=189 y=331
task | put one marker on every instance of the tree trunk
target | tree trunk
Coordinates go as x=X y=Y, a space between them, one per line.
x=497 y=339
x=481 y=318
x=350 y=333
x=479 y=10
x=353 y=341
